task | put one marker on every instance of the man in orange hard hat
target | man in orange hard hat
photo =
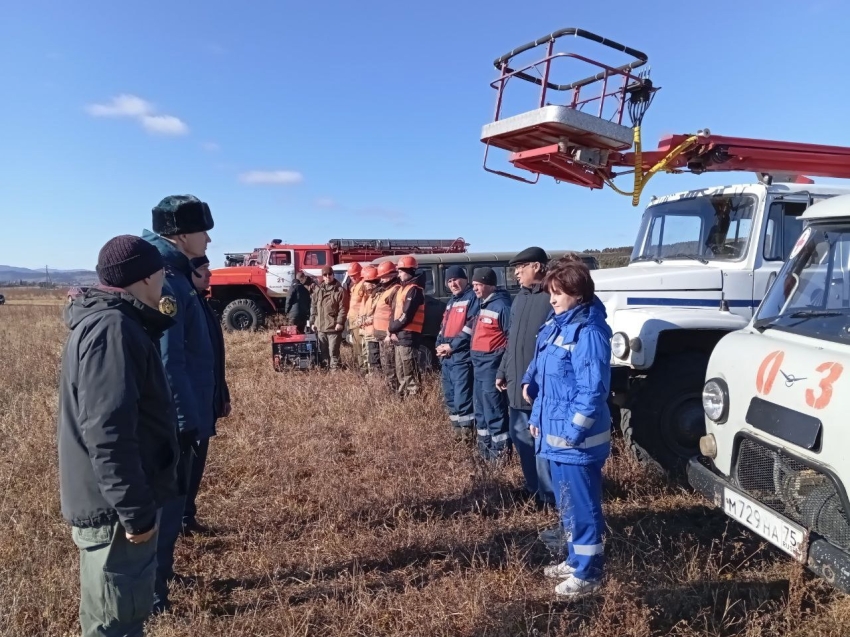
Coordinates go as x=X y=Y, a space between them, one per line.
x=357 y=295
x=371 y=291
x=406 y=326
x=384 y=306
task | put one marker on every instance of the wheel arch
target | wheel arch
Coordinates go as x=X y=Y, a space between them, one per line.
x=222 y=295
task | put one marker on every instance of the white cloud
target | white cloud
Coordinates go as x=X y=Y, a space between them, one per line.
x=326 y=202
x=272 y=177
x=211 y=147
x=164 y=125
x=134 y=107
x=121 y=106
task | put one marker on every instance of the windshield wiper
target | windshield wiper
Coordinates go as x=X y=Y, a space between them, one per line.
x=814 y=313
x=683 y=255
x=762 y=324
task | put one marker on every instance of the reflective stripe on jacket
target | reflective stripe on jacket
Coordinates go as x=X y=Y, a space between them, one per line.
x=570 y=378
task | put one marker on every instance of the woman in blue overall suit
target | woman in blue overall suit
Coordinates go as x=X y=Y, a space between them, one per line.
x=568 y=381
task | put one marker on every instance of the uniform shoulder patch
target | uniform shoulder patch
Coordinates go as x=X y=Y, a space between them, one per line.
x=168 y=306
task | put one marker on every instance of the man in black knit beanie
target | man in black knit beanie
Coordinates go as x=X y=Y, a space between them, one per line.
x=117 y=436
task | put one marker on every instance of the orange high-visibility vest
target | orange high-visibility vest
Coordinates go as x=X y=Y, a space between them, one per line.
x=383 y=311
x=357 y=298
x=418 y=321
x=366 y=312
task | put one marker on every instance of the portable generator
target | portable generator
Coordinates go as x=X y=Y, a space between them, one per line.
x=291 y=350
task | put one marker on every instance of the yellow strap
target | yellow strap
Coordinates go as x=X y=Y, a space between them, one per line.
x=641 y=178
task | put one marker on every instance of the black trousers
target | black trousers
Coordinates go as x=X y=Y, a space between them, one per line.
x=199 y=462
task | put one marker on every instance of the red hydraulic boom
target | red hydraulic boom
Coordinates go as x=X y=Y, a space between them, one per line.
x=567 y=142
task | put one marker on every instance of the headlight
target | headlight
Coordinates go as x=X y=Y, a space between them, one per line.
x=620 y=345
x=715 y=400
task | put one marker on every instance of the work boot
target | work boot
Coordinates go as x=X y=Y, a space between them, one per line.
x=193 y=527
x=463 y=434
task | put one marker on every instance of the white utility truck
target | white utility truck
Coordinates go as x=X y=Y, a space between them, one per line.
x=776 y=402
x=702 y=264
x=703 y=260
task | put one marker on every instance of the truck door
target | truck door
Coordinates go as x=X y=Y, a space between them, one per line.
x=783 y=225
x=280 y=271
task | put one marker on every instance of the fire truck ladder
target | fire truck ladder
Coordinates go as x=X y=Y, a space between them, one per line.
x=400 y=246
x=565 y=142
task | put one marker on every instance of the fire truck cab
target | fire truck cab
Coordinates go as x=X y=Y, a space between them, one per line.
x=776 y=401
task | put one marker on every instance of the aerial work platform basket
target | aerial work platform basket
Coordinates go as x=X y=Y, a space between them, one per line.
x=563 y=140
x=583 y=139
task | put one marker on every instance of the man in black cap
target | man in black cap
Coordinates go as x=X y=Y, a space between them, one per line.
x=453 y=350
x=180 y=226
x=117 y=436
x=489 y=340
x=528 y=312
x=201 y=278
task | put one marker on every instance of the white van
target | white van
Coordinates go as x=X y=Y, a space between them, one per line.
x=777 y=399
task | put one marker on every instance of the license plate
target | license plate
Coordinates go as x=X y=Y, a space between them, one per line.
x=791 y=538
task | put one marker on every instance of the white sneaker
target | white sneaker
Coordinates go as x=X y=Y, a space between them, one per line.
x=558 y=571
x=574 y=587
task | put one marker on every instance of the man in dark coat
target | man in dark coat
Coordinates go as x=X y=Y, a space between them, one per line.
x=298 y=302
x=528 y=312
x=117 y=435
x=180 y=225
x=201 y=279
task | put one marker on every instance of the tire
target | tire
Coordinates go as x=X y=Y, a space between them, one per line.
x=427 y=358
x=664 y=419
x=243 y=315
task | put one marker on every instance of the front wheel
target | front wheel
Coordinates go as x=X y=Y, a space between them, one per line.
x=243 y=315
x=665 y=419
x=427 y=357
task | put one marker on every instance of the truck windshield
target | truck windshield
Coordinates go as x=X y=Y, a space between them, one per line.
x=811 y=295
x=705 y=228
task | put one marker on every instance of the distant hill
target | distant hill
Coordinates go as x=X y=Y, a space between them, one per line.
x=10 y=274
x=612 y=257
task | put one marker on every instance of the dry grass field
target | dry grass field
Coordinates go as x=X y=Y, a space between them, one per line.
x=34 y=296
x=341 y=511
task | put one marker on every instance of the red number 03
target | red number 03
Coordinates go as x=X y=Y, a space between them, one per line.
x=833 y=372
x=816 y=399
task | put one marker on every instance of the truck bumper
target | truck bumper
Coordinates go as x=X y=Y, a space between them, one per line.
x=824 y=559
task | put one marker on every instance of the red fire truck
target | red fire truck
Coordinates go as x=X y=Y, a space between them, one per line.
x=255 y=284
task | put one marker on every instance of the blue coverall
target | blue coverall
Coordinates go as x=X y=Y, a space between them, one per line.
x=571 y=377
x=457 y=368
x=489 y=339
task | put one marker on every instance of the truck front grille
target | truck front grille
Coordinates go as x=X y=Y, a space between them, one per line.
x=791 y=488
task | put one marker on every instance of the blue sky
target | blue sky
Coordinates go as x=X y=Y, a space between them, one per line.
x=366 y=114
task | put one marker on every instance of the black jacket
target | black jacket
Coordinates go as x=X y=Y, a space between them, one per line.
x=414 y=299
x=528 y=313
x=222 y=392
x=117 y=428
x=298 y=302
